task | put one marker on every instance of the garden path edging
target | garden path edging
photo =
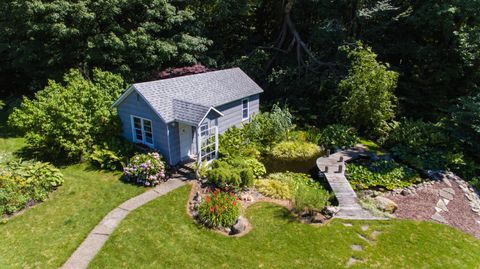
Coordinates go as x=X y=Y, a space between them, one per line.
x=92 y=244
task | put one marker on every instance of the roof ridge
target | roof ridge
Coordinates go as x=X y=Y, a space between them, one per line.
x=186 y=76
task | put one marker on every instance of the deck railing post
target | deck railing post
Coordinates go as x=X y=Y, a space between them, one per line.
x=340 y=169
x=216 y=142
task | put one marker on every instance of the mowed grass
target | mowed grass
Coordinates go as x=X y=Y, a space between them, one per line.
x=161 y=235
x=47 y=234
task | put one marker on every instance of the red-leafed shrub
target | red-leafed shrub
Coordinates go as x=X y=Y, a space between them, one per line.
x=219 y=209
x=182 y=71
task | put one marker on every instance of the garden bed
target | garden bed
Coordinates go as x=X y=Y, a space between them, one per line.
x=248 y=197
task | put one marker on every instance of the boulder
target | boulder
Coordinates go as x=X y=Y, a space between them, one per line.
x=197 y=197
x=385 y=204
x=331 y=210
x=318 y=218
x=247 y=197
x=239 y=226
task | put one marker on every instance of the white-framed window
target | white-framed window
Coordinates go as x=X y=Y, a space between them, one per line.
x=245 y=109
x=142 y=130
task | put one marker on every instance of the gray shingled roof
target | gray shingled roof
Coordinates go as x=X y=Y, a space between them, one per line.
x=186 y=98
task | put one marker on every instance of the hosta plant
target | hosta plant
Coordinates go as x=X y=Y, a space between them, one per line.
x=145 y=169
x=25 y=183
x=219 y=209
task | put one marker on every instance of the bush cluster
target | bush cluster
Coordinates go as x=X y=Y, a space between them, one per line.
x=112 y=155
x=306 y=194
x=64 y=120
x=219 y=209
x=295 y=150
x=23 y=183
x=381 y=174
x=308 y=198
x=421 y=145
x=145 y=169
x=269 y=128
x=234 y=173
x=273 y=188
x=338 y=136
x=233 y=143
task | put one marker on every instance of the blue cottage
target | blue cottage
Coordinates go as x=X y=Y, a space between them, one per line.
x=181 y=117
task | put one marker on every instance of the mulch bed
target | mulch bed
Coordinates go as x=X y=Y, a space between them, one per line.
x=421 y=206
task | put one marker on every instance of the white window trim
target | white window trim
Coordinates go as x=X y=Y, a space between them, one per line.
x=134 y=134
x=248 y=109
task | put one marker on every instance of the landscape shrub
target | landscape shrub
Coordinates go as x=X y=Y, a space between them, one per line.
x=238 y=172
x=294 y=180
x=22 y=183
x=232 y=174
x=381 y=174
x=310 y=198
x=268 y=128
x=145 y=169
x=338 y=136
x=64 y=120
x=233 y=143
x=105 y=159
x=295 y=150
x=258 y=169
x=306 y=194
x=219 y=209
x=273 y=188
x=112 y=155
x=421 y=145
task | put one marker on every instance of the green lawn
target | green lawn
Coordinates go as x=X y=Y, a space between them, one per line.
x=161 y=235
x=47 y=234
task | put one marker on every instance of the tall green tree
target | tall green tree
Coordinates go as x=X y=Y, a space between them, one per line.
x=369 y=89
x=41 y=39
x=464 y=124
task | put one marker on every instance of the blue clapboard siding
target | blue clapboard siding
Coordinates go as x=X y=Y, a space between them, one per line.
x=174 y=137
x=138 y=107
x=232 y=112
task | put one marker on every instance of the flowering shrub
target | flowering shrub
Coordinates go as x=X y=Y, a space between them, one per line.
x=146 y=169
x=219 y=209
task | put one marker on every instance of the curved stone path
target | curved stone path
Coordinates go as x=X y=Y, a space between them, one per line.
x=99 y=235
x=333 y=167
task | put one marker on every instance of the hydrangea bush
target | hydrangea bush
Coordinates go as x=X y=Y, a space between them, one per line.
x=219 y=209
x=145 y=169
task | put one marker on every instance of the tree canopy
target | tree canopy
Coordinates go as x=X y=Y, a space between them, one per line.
x=369 y=92
x=41 y=40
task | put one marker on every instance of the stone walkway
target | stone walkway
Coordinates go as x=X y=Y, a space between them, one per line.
x=99 y=235
x=333 y=167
